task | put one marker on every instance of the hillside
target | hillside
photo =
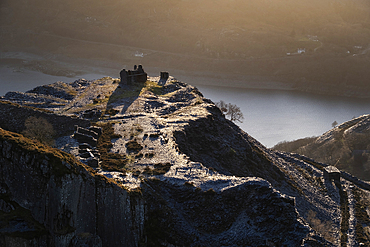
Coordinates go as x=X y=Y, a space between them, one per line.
x=346 y=146
x=247 y=40
x=162 y=167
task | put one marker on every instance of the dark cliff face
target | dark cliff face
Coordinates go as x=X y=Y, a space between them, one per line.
x=170 y=171
x=49 y=199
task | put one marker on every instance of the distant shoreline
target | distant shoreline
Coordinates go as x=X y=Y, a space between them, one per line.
x=23 y=68
x=19 y=65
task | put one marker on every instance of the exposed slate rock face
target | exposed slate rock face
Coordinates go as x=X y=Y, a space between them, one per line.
x=63 y=198
x=186 y=216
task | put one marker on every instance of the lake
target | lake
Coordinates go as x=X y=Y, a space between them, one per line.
x=270 y=116
x=23 y=80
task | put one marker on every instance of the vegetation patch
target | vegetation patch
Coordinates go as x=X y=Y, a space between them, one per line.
x=306 y=174
x=25 y=106
x=110 y=161
x=133 y=146
x=293 y=146
x=114 y=162
x=152 y=87
x=290 y=180
x=261 y=155
x=159 y=169
x=111 y=112
x=124 y=93
x=318 y=166
x=325 y=228
x=39 y=129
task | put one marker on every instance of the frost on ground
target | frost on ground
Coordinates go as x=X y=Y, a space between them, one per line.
x=177 y=143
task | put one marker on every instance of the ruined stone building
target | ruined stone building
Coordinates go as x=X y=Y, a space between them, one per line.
x=133 y=76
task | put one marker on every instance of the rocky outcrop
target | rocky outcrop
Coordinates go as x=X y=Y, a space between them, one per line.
x=251 y=214
x=59 y=90
x=50 y=199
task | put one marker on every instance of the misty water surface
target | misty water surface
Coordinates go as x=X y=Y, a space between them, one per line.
x=24 y=80
x=272 y=116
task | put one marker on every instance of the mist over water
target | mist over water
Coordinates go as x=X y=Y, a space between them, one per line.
x=272 y=116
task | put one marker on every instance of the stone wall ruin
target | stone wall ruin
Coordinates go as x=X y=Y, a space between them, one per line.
x=133 y=76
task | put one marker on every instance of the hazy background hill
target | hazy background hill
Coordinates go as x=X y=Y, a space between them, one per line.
x=222 y=37
x=346 y=146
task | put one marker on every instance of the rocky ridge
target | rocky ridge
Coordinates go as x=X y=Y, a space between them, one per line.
x=185 y=176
